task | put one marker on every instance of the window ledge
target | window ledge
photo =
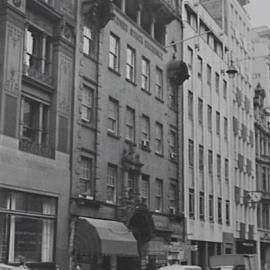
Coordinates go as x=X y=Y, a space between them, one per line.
x=113 y=135
x=159 y=154
x=159 y=99
x=90 y=57
x=134 y=83
x=146 y=91
x=130 y=142
x=146 y=149
x=87 y=124
x=116 y=72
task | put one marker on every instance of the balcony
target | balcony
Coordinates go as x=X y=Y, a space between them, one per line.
x=36 y=149
x=34 y=73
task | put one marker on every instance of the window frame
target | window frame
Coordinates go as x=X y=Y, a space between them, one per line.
x=114 y=53
x=131 y=64
x=87 y=180
x=159 y=83
x=130 y=126
x=159 y=196
x=114 y=119
x=89 y=106
x=159 y=147
x=145 y=74
x=112 y=182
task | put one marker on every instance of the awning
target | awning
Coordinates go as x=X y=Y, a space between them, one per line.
x=107 y=237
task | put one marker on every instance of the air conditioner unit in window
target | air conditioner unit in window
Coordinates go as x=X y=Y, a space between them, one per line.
x=145 y=144
x=172 y=210
x=173 y=155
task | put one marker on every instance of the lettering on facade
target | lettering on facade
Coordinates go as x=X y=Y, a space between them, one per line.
x=138 y=37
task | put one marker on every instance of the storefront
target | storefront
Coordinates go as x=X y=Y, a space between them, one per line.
x=104 y=245
x=27 y=228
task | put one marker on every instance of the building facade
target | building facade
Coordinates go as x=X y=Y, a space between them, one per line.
x=220 y=91
x=207 y=152
x=35 y=86
x=126 y=163
x=261 y=82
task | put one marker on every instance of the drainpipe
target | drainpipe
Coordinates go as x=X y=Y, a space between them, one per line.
x=73 y=125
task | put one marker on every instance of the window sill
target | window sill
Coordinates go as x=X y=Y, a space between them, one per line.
x=90 y=57
x=159 y=154
x=134 y=83
x=111 y=203
x=159 y=99
x=146 y=91
x=116 y=72
x=128 y=141
x=113 y=135
x=87 y=124
x=174 y=160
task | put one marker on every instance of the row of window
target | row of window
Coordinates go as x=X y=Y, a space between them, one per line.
x=209 y=37
x=202 y=214
x=130 y=128
x=87 y=185
x=210 y=161
x=217 y=79
x=209 y=115
x=114 y=64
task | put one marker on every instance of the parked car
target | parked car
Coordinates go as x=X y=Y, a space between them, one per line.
x=180 y=267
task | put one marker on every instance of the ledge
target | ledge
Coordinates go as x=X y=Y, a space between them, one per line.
x=116 y=72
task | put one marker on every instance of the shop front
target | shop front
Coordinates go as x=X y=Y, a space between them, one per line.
x=104 y=245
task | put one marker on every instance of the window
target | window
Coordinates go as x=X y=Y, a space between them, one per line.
x=113 y=116
x=173 y=197
x=217 y=82
x=219 y=168
x=201 y=202
x=27 y=227
x=87 y=104
x=190 y=153
x=86 y=180
x=114 y=52
x=145 y=76
x=130 y=124
x=145 y=192
x=37 y=55
x=209 y=75
x=224 y=89
x=145 y=128
x=130 y=64
x=219 y=210
x=211 y=208
x=159 y=83
x=172 y=97
x=111 y=183
x=190 y=59
x=225 y=129
x=159 y=138
x=201 y=162
x=159 y=196
x=200 y=68
x=132 y=183
x=172 y=143
x=191 y=203
x=35 y=122
x=227 y=212
x=200 y=111
x=89 y=38
x=190 y=105
x=210 y=162
x=209 y=118
x=218 y=123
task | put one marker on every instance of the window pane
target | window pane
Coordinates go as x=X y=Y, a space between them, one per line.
x=4 y=220
x=4 y=198
x=33 y=239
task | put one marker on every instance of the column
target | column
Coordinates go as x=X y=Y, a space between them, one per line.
x=125 y=183
x=123 y=6
x=153 y=27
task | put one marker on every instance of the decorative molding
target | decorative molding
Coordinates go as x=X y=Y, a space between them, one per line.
x=18 y=4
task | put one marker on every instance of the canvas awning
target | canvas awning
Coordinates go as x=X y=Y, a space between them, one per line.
x=107 y=237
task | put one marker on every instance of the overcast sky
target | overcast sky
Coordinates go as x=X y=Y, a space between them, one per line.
x=259 y=11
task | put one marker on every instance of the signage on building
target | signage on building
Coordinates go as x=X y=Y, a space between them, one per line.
x=138 y=37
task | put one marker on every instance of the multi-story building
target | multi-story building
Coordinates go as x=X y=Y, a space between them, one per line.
x=222 y=184
x=35 y=88
x=126 y=169
x=207 y=151
x=261 y=82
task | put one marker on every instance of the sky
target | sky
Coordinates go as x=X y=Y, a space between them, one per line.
x=259 y=12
